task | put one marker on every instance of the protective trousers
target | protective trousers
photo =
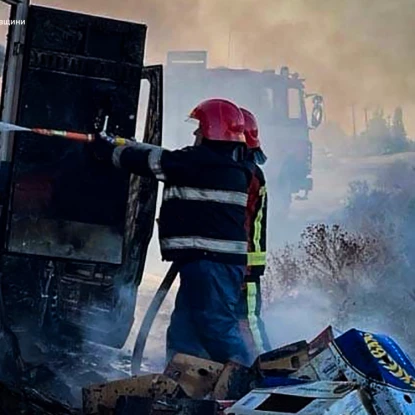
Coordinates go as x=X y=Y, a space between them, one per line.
x=250 y=322
x=204 y=322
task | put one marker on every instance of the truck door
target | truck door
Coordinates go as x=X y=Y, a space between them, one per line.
x=66 y=207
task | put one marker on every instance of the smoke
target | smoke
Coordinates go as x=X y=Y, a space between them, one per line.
x=381 y=298
x=309 y=313
x=355 y=52
x=304 y=316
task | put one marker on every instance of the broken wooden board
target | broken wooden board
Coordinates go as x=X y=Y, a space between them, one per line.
x=148 y=386
x=234 y=382
x=196 y=376
x=288 y=358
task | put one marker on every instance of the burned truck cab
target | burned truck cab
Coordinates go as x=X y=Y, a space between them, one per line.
x=277 y=99
x=75 y=230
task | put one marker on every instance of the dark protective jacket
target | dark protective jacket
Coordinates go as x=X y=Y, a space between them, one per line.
x=204 y=200
x=256 y=225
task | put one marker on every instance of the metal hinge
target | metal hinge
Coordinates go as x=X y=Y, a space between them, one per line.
x=17 y=48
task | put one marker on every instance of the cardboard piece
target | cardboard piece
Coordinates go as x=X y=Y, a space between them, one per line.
x=234 y=382
x=148 y=386
x=357 y=402
x=321 y=342
x=288 y=358
x=316 y=398
x=196 y=376
x=325 y=366
x=389 y=401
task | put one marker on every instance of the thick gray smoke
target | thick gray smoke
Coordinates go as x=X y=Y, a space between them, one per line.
x=359 y=51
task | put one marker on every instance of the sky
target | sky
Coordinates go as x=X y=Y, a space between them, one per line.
x=355 y=52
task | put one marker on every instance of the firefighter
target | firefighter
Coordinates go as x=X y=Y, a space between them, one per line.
x=201 y=226
x=249 y=307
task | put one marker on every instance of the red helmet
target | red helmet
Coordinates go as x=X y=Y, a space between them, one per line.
x=252 y=137
x=251 y=129
x=220 y=120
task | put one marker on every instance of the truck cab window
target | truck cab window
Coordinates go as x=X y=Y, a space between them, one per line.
x=294 y=103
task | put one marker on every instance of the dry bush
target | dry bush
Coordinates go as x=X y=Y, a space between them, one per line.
x=336 y=259
x=284 y=273
x=366 y=272
x=328 y=258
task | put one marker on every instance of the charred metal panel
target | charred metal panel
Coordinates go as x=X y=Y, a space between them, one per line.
x=76 y=69
x=142 y=212
x=102 y=302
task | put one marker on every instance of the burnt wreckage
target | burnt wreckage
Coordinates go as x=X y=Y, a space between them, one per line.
x=74 y=231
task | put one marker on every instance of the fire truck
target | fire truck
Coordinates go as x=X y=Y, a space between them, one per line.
x=277 y=99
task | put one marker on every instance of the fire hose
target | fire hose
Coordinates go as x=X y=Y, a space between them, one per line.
x=150 y=316
x=69 y=135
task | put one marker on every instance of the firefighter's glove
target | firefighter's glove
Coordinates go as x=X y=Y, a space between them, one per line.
x=103 y=148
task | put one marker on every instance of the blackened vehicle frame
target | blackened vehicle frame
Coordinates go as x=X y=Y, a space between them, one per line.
x=144 y=191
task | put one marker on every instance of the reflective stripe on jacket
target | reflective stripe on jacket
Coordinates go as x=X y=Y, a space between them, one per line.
x=205 y=198
x=256 y=225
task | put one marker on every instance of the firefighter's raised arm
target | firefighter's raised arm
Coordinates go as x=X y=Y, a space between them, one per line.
x=138 y=158
x=180 y=166
x=141 y=159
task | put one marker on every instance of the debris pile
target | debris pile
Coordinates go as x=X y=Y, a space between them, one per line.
x=25 y=400
x=355 y=373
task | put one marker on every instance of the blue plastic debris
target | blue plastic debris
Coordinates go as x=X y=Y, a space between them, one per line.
x=377 y=357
